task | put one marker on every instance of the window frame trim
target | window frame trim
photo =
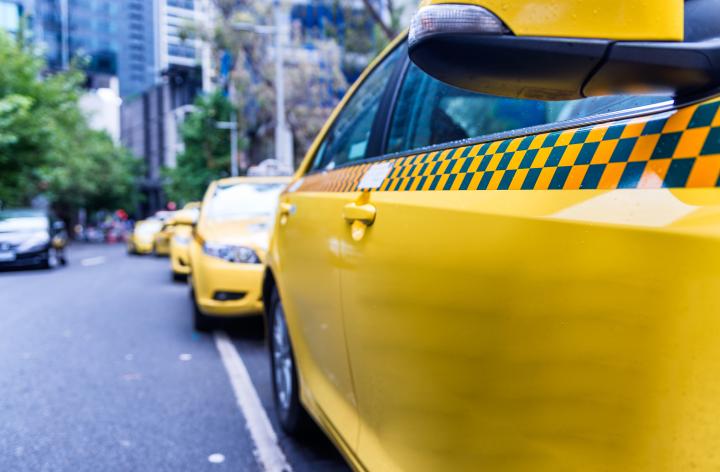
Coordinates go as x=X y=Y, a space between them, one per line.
x=590 y=120
x=377 y=128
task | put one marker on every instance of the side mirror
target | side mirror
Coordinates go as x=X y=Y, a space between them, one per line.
x=562 y=49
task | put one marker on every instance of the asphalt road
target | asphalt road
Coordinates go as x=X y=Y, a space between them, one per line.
x=100 y=370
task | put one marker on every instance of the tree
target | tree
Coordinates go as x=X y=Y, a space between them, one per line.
x=46 y=145
x=206 y=155
x=313 y=78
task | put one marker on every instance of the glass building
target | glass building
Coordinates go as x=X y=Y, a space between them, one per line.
x=115 y=37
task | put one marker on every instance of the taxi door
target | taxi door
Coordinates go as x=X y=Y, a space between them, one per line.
x=309 y=242
x=534 y=300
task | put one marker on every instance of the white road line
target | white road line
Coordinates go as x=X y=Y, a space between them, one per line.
x=267 y=450
x=92 y=261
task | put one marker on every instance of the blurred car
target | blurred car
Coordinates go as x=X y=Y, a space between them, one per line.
x=502 y=274
x=180 y=241
x=161 y=240
x=31 y=238
x=228 y=250
x=142 y=238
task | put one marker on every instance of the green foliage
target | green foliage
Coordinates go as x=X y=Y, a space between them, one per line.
x=46 y=145
x=206 y=156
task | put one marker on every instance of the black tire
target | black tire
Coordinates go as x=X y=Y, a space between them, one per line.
x=201 y=322
x=291 y=414
x=179 y=277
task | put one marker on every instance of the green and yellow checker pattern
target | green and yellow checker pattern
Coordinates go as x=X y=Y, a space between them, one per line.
x=678 y=149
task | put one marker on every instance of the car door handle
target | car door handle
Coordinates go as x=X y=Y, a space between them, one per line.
x=363 y=213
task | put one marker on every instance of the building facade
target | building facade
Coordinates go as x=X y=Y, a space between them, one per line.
x=150 y=121
x=114 y=37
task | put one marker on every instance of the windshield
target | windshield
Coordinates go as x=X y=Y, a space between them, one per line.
x=243 y=201
x=22 y=221
x=148 y=227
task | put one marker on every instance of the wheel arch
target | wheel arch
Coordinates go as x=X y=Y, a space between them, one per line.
x=268 y=285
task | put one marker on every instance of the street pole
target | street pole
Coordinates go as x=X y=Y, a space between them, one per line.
x=64 y=34
x=283 y=136
x=233 y=131
x=283 y=151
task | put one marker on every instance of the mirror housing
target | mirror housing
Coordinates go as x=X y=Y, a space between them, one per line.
x=470 y=47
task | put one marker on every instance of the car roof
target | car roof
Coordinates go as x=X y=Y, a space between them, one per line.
x=23 y=213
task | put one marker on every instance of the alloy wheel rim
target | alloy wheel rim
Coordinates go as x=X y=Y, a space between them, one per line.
x=282 y=360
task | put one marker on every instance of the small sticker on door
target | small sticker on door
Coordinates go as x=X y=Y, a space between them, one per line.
x=375 y=176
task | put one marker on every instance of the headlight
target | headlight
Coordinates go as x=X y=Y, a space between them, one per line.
x=231 y=253
x=181 y=240
x=36 y=242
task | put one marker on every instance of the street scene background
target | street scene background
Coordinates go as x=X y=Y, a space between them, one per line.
x=115 y=111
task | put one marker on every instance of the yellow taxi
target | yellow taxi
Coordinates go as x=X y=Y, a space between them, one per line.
x=516 y=267
x=183 y=221
x=161 y=240
x=142 y=238
x=227 y=252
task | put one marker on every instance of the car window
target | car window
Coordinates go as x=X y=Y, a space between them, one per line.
x=430 y=112
x=347 y=140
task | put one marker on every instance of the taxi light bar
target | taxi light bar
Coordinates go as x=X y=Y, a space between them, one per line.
x=451 y=18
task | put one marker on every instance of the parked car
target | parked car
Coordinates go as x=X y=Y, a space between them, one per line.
x=31 y=238
x=183 y=221
x=524 y=276
x=227 y=252
x=142 y=238
x=161 y=240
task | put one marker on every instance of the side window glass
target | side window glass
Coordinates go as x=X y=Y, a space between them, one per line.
x=429 y=112
x=347 y=140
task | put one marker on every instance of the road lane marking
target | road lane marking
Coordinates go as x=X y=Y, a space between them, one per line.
x=267 y=450
x=216 y=458
x=92 y=261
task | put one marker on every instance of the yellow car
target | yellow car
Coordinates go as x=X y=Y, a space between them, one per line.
x=521 y=279
x=161 y=241
x=227 y=252
x=142 y=238
x=180 y=241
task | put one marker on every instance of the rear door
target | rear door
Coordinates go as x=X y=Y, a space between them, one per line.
x=309 y=240
x=536 y=298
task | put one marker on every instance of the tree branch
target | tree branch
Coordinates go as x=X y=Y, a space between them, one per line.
x=389 y=33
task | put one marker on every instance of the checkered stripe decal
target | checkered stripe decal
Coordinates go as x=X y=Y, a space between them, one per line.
x=675 y=150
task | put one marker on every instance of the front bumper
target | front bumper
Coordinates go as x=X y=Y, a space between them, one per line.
x=214 y=278
x=162 y=247
x=27 y=259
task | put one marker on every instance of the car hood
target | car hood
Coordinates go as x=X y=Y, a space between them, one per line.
x=15 y=238
x=254 y=233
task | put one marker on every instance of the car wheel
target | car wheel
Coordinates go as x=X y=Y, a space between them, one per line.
x=286 y=392
x=201 y=322
x=179 y=277
x=52 y=260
